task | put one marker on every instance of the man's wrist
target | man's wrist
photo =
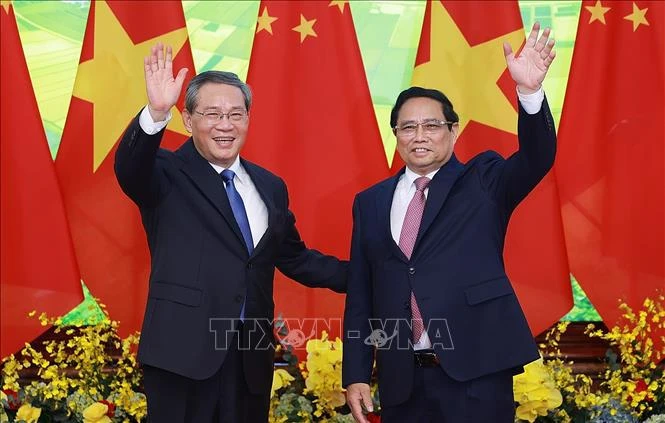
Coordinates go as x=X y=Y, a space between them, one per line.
x=526 y=90
x=157 y=115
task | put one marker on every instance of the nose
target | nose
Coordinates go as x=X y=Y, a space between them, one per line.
x=420 y=133
x=224 y=124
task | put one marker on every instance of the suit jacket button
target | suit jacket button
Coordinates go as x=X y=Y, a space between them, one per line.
x=412 y=270
x=407 y=305
x=250 y=266
x=238 y=298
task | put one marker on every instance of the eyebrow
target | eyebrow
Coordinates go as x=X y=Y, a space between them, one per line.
x=215 y=108
x=423 y=121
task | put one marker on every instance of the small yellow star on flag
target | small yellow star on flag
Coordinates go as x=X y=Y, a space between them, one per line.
x=305 y=28
x=264 y=22
x=338 y=3
x=638 y=17
x=597 y=12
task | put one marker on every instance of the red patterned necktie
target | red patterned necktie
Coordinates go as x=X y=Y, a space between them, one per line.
x=407 y=239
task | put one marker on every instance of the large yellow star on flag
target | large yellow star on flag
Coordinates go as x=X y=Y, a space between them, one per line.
x=468 y=75
x=305 y=28
x=264 y=22
x=5 y=4
x=114 y=82
x=638 y=17
x=597 y=12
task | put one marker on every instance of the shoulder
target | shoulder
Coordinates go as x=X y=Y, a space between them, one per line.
x=261 y=174
x=371 y=193
x=483 y=161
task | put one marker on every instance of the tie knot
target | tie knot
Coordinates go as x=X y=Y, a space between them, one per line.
x=422 y=183
x=227 y=175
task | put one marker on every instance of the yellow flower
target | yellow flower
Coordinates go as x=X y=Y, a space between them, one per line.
x=96 y=413
x=28 y=413
x=535 y=391
x=280 y=379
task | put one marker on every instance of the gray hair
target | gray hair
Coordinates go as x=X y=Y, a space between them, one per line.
x=215 y=77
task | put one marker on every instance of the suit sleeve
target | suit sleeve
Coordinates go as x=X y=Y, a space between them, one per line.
x=136 y=165
x=357 y=356
x=308 y=266
x=510 y=181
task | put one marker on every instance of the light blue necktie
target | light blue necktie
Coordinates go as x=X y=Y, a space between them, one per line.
x=239 y=212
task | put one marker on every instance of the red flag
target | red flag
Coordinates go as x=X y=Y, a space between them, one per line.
x=38 y=267
x=109 y=91
x=610 y=166
x=461 y=54
x=313 y=124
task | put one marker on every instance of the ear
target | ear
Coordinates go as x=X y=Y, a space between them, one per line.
x=187 y=120
x=454 y=131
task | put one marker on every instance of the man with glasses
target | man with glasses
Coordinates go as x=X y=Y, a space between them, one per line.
x=217 y=226
x=428 y=295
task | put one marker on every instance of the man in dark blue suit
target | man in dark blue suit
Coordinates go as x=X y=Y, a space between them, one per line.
x=217 y=225
x=428 y=291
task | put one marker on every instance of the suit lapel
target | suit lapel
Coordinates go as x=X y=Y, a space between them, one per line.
x=384 y=201
x=210 y=184
x=439 y=189
x=263 y=187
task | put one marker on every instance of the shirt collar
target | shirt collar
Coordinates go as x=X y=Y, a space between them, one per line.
x=236 y=167
x=411 y=176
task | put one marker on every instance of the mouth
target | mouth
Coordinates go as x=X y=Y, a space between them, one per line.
x=224 y=141
x=420 y=150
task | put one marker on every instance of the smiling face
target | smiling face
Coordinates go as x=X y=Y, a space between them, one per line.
x=218 y=142
x=424 y=151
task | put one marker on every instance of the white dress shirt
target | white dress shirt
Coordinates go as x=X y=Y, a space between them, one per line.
x=406 y=188
x=257 y=212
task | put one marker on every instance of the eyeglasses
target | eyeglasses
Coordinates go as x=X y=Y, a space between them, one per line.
x=212 y=118
x=430 y=127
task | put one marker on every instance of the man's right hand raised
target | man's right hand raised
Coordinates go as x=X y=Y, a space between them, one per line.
x=163 y=90
x=357 y=396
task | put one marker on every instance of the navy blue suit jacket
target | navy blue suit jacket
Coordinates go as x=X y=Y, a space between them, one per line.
x=200 y=266
x=456 y=270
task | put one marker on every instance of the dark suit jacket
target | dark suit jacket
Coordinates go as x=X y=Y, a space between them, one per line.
x=200 y=266
x=456 y=270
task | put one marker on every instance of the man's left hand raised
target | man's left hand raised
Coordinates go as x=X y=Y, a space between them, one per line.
x=529 y=68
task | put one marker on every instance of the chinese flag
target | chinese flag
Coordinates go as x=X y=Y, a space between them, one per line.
x=460 y=53
x=610 y=165
x=312 y=123
x=109 y=91
x=38 y=267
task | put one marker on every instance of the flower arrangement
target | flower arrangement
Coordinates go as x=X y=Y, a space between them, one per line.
x=310 y=391
x=631 y=389
x=91 y=376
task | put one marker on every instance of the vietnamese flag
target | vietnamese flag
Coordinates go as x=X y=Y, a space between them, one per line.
x=611 y=161
x=109 y=91
x=313 y=124
x=38 y=269
x=460 y=53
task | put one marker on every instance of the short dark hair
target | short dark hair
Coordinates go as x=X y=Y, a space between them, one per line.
x=446 y=105
x=215 y=77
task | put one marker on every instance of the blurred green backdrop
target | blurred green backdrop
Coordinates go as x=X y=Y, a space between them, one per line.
x=221 y=35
